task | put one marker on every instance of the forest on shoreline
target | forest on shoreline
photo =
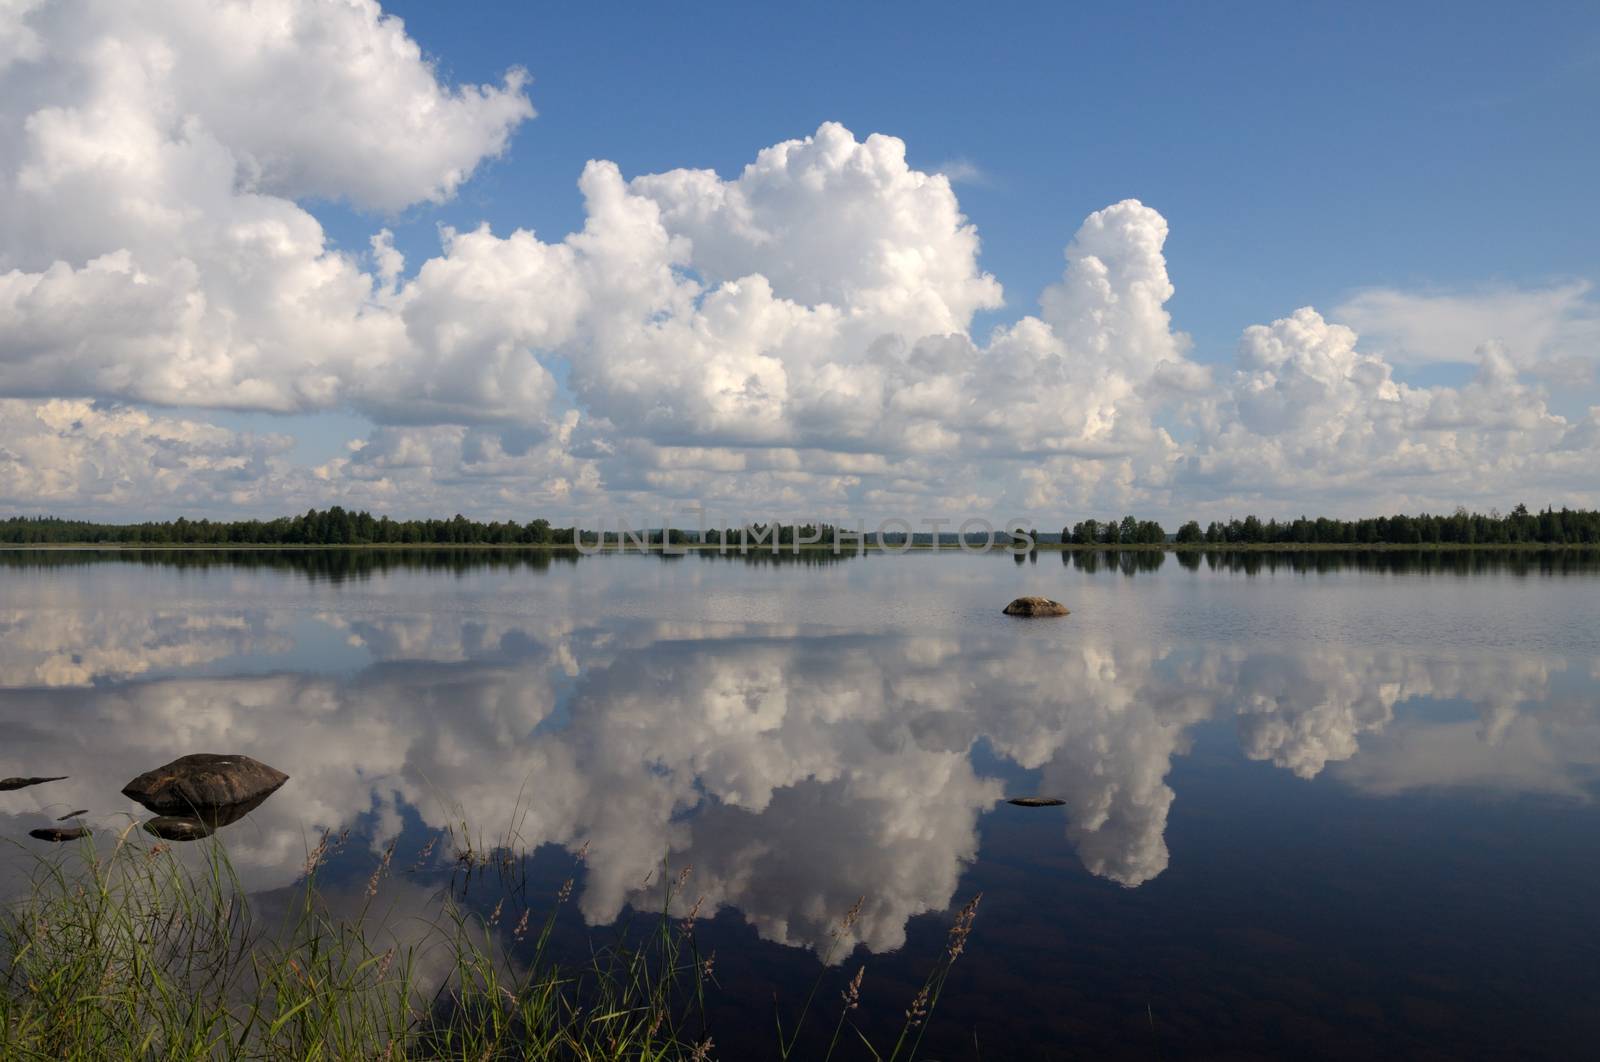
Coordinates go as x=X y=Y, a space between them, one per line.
x=337 y=526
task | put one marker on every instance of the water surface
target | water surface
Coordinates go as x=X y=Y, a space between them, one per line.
x=1327 y=804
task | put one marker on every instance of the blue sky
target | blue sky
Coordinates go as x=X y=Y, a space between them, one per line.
x=1299 y=152
x=1421 y=172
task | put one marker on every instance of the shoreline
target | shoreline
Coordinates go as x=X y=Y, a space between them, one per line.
x=684 y=549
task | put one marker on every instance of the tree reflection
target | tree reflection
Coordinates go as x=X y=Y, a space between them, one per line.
x=796 y=767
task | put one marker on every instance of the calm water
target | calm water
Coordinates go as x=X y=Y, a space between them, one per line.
x=1314 y=805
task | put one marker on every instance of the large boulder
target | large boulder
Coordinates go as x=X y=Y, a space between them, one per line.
x=1035 y=606
x=205 y=783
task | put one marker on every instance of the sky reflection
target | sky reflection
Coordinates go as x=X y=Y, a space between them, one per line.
x=775 y=733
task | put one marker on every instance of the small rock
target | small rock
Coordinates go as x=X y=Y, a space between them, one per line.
x=59 y=834
x=1035 y=606
x=204 y=782
x=1036 y=802
x=7 y=784
x=177 y=828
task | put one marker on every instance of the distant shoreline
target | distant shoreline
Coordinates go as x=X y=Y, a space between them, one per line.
x=687 y=548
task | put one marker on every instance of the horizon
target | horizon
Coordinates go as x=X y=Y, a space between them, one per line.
x=336 y=526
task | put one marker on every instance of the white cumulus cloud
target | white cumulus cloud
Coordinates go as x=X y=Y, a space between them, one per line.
x=797 y=335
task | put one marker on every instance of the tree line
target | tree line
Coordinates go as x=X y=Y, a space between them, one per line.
x=330 y=527
x=337 y=526
x=1127 y=532
x=1566 y=527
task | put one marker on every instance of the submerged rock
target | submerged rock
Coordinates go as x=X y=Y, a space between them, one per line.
x=177 y=828
x=23 y=783
x=1035 y=606
x=205 y=782
x=1036 y=802
x=203 y=823
x=59 y=833
x=228 y=814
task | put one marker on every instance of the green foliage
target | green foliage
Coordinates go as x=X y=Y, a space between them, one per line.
x=140 y=955
x=1128 y=532
x=339 y=527
x=331 y=527
x=137 y=953
x=1563 y=527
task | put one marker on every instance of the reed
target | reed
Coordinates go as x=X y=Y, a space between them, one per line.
x=127 y=951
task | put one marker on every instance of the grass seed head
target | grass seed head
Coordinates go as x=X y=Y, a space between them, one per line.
x=918 y=1010
x=962 y=927
x=852 y=992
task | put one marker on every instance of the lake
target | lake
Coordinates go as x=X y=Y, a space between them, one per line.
x=1321 y=804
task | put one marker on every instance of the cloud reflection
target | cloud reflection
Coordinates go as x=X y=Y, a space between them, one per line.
x=796 y=769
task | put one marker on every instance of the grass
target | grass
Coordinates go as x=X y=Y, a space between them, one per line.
x=136 y=953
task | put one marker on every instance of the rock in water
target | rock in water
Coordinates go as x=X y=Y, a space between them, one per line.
x=1036 y=802
x=177 y=828
x=59 y=834
x=7 y=784
x=204 y=822
x=1035 y=606
x=228 y=814
x=204 y=782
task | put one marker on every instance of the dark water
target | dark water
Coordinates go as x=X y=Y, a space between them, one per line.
x=1314 y=804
